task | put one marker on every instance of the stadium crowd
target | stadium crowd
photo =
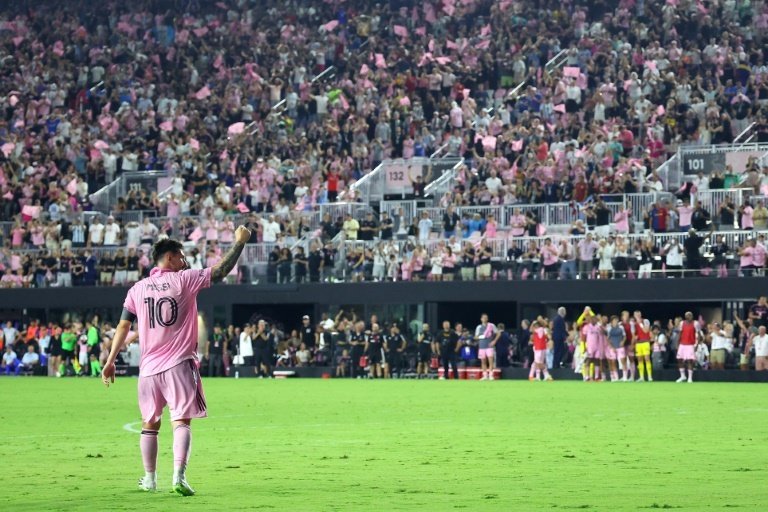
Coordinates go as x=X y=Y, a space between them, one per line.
x=223 y=98
x=596 y=346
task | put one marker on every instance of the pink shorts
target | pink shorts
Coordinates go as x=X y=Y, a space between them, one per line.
x=610 y=353
x=179 y=388
x=594 y=349
x=621 y=353
x=686 y=353
x=540 y=356
x=487 y=353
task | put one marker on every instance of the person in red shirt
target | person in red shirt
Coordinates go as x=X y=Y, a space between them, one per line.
x=627 y=363
x=540 y=342
x=686 y=351
x=332 y=184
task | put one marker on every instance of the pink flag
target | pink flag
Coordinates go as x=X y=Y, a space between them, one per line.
x=200 y=32
x=166 y=126
x=236 y=128
x=100 y=144
x=701 y=8
x=196 y=235
x=660 y=111
x=344 y=102
x=8 y=195
x=194 y=144
x=485 y=30
x=31 y=211
x=58 y=48
x=328 y=27
x=203 y=93
x=482 y=45
x=443 y=60
x=451 y=45
x=243 y=208
x=217 y=61
x=7 y=148
x=400 y=31
x=405 y=101
x=380 y=62
x=571 y=71
x=364 y=70
x=421 y=31
x=651 y=64
x=424 y=59
x=489 y=142
x=72 y=187
x=221 y=5
x=18 y=40
x=559 y=108
x=517 y=145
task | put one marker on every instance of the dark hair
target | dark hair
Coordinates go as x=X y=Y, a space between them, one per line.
x=162 y=247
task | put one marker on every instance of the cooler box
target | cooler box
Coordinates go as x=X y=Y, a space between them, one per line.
x=474 y=374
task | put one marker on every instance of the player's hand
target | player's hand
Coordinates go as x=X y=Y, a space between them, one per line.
x=108 y=374
x=242 y=235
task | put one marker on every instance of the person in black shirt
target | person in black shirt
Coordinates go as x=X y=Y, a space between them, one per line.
x=308 y=335
x=373 y=348
x=63 y=274
x=758 y=312
x=328 y=228
x=357 y=346
x=394 y=344
x=425 y=341
x=386 y=227
x=329 y=257
x=132 y=267
x=214 y=353
x=262 y=350
x=602 y=219
x=368 y=228
x=727 y=214
x=692 y=245
x=106 y=270
x=450 y=220
x=284 y=265
x=272 y=264
x=77 y=268
x=300 y=264
x=700 y=218
x=503 y=343
x=315 y=264
x=447 y=344
x=468 y=262
x=418 y=185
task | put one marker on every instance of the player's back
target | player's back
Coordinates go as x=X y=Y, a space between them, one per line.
x=165 y=305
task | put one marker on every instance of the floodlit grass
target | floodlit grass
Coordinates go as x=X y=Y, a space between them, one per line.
x=394 y=445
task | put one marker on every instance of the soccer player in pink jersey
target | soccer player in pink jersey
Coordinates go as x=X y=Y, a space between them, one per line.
x=165 y=307
x=592 y=335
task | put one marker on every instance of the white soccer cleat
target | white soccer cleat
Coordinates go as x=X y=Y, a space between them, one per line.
x=650 y=379
x=147 y=484
x=681 y=379
x=690 y=380
x=182 y=487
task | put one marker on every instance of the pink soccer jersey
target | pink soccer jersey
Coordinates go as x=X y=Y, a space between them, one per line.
x=165 y=305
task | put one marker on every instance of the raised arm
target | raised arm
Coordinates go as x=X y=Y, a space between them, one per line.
x=227 y=263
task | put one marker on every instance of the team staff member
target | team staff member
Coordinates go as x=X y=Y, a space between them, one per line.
x=485 y=334
x=214 y=353
x=448 y=346
x=425 y=340
x=540 y=340
x=308 y=334
x=262 y=350
x=643 y=347
x=68 y=340
x=357 y=341
x=394 y=344
x=374 y=346
x=686 y=351
x=628 y=362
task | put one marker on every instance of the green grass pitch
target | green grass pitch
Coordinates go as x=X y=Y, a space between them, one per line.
x=319 y=445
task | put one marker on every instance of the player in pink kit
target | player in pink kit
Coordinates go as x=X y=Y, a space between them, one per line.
x=165 y=307
x=592 y=334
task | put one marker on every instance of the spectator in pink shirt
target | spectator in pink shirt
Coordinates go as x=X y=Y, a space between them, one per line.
x=585 y=254
x=746 y=262
x=550 y=259
x=745 y=217
x=684 y=213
